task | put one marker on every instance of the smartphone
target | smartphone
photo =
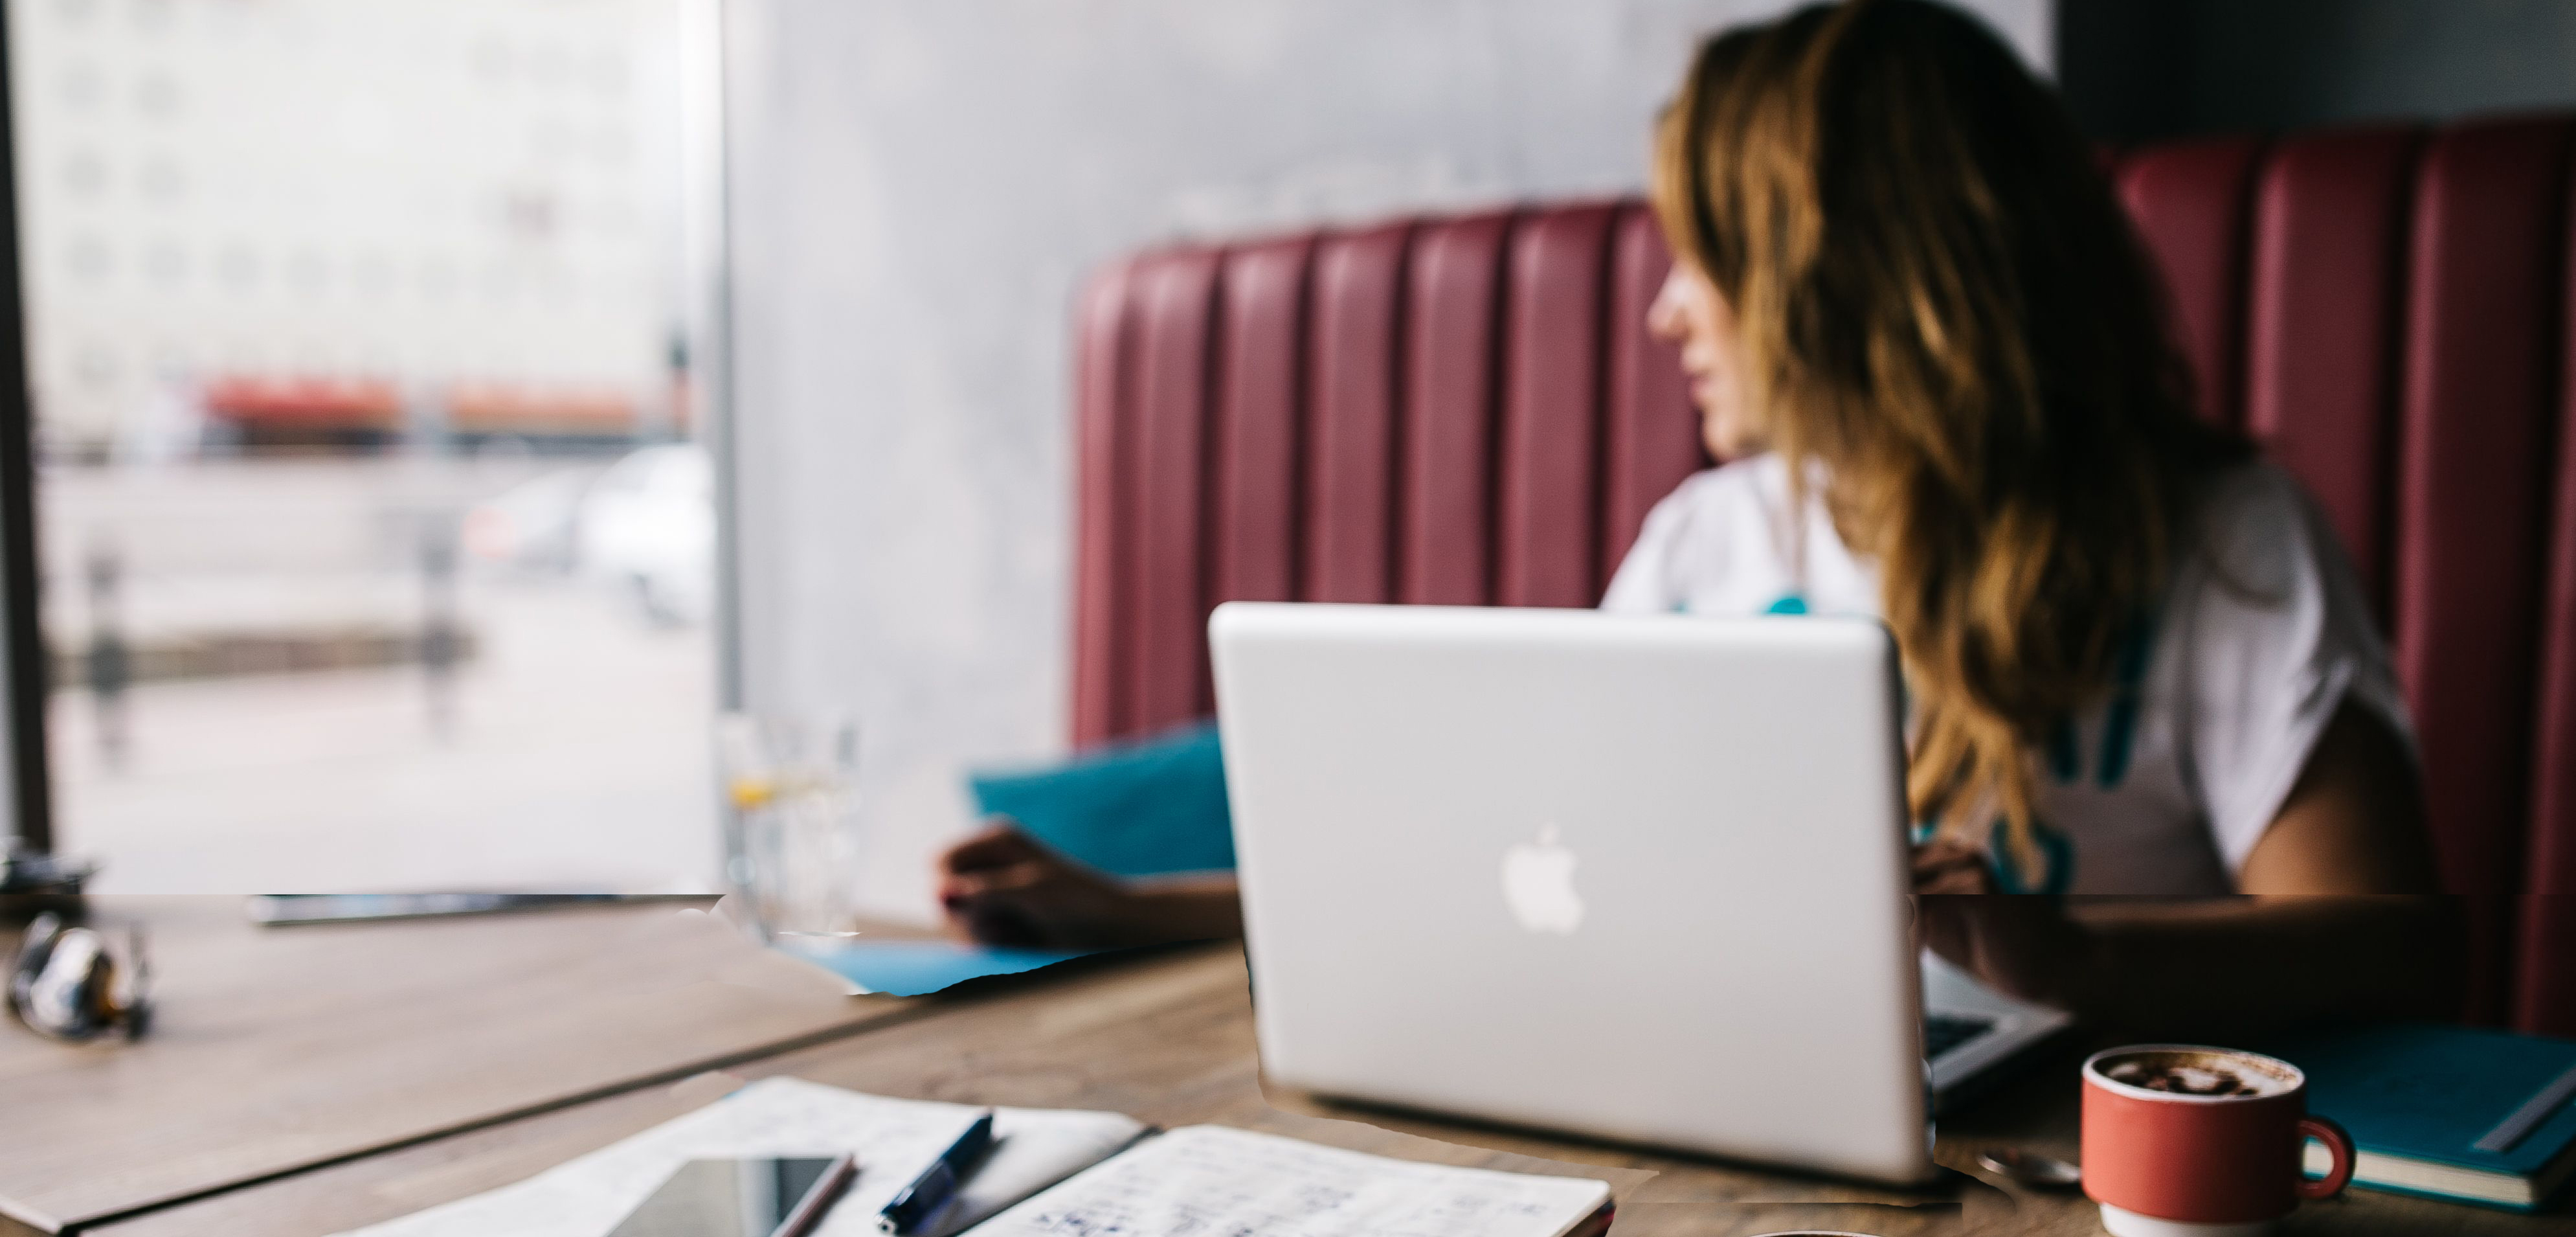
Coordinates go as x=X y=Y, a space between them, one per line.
x=760 y=1197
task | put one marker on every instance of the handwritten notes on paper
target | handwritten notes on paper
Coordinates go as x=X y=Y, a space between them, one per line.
x=1203 y=1181
x=1209 y=1181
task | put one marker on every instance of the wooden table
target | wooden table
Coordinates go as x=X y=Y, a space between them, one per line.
x=1168 y=1037
x=280 y=1049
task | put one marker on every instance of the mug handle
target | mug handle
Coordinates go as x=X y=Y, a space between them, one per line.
x=2338 y=1145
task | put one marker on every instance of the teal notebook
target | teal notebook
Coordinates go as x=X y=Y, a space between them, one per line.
x=1129 y=809
x=2464 y=1113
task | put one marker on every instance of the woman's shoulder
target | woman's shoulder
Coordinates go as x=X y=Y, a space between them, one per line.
x=1753 y=479
x=2265 y=568
x=2275 y=636
x=1708 y=529
x=2256 y=528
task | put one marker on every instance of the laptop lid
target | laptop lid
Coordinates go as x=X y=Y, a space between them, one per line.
x=1636 y=877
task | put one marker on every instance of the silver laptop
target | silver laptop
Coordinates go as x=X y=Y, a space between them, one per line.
x=1638 y=878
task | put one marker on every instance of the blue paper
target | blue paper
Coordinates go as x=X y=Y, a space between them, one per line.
x=919 y=968
x=1136 y=809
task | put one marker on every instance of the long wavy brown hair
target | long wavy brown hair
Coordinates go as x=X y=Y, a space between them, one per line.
x=1940 y=304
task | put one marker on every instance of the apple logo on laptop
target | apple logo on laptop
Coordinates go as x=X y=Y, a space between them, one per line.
x=1538 y=884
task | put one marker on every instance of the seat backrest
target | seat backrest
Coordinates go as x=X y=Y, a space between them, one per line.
x=1463 y=410
x=1467 y=410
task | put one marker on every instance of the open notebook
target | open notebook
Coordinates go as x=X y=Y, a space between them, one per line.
x=1053 y=1173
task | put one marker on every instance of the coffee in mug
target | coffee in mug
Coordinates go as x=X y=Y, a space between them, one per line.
x=2187 y=1141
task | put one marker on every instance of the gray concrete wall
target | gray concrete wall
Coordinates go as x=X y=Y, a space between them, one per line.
x=917 y=188
x=2139 y=70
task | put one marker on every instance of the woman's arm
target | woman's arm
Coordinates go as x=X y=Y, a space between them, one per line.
x=2340 y=917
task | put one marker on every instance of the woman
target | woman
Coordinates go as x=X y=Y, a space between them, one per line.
x=1914 y=316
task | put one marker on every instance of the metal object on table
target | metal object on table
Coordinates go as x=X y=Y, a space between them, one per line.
x=2030 y=1168
x=67 y=983
x=285 y=910
x=33 y=883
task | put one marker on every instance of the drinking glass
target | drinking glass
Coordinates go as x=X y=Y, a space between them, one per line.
x=791 y=780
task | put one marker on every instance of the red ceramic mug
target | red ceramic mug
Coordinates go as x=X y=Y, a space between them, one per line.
x=2185 y=1141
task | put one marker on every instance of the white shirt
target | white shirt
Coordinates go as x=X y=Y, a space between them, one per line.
x=2164 y=787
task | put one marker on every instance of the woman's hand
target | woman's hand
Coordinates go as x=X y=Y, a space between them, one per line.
x=2021 y=945
x=1003 y=887
x=1947 y=865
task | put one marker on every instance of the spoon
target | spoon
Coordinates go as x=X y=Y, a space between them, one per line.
x=2030 y=1168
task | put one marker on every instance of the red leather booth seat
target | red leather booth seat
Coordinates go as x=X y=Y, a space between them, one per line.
x=1467 y=410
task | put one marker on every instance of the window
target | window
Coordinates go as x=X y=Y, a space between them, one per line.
x=376 y=547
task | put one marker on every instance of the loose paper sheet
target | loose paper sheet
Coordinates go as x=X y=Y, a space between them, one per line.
x=1210 y=1180
x=919 y=968
x=892 y=1139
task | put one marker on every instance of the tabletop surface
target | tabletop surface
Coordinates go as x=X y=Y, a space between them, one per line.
x=1168 y=1038
x=276 y=1049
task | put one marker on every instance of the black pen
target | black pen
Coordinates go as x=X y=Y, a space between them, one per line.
x=938 y=1183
